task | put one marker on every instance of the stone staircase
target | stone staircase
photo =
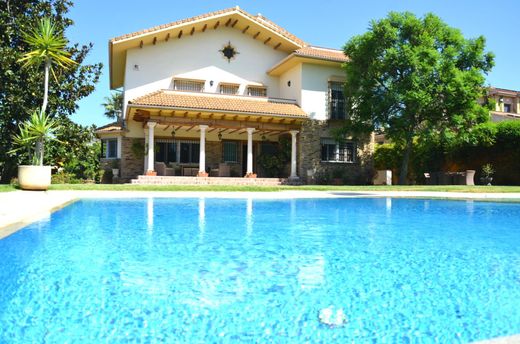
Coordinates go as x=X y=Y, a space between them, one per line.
x=176 y=180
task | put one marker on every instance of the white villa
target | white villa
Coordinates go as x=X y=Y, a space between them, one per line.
x=228 y=94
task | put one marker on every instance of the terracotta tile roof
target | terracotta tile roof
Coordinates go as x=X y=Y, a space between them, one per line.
x=219 y=103
x=110 y=127
x=259 y=19
x=496 y=90
x=322 y=53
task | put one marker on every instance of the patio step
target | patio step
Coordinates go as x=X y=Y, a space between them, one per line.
x=177 y=180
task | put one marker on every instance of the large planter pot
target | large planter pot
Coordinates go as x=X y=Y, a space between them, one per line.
x=32 y=177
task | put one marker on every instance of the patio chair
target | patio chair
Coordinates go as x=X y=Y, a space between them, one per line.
x=163 y=170
x=224 y=170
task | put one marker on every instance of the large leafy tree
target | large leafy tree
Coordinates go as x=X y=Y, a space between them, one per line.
x=413 y=78
x=22 y=89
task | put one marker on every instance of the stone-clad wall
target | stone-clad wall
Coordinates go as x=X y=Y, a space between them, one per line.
x=312 y=170
x=131 y=166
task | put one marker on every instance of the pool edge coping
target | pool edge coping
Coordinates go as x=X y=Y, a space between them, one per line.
x=13 y=227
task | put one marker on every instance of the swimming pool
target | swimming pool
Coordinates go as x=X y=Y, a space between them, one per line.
x=253 y=270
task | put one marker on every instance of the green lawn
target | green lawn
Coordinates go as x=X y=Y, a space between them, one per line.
x=6 y=187
x=127 y=187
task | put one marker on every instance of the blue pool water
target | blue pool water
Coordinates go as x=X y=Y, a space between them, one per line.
x=244 y=270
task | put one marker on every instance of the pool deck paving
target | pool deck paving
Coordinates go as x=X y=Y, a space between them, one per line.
x=20 y=208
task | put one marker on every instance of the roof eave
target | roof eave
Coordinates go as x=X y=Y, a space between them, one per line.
x=159 y=107
x=279 y=68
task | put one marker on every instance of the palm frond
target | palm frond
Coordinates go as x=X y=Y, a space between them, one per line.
x=47 y=43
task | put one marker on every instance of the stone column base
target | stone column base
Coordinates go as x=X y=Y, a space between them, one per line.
x=250 y=175
x=202 y=174
x=150 y=173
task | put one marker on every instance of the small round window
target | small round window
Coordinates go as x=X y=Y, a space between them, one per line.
x=229 y=52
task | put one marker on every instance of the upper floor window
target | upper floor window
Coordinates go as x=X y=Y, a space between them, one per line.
x=228 y=89
x=188 y=85
x=336 y=100
x=332 y=151
x=257 y=91
x=507 y=107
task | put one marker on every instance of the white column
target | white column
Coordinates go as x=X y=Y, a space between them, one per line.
x=178 y=157
x=145 y=150
x=202 y=155
x=119 y=146
x=249 y=171
x=293 y=155
x=151 y=144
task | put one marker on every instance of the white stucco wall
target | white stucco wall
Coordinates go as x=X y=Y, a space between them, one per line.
x=315 y=86
x=198 y=57
x=294 y=75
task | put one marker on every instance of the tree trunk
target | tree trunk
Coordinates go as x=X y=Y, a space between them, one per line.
x=39 y=151
x=406 y=159
x=46 y=85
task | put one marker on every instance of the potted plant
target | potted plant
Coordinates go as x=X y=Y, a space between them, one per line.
x=115 y=168
x=33 y=134
x=487 y=174
x=47 y=46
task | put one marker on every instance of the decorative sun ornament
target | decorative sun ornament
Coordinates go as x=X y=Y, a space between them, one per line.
x=229 y=52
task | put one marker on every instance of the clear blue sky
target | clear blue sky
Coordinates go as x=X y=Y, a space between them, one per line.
x=327 y=23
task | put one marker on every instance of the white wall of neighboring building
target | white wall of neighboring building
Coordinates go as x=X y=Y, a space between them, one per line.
x=198 y=56
x=315 y=88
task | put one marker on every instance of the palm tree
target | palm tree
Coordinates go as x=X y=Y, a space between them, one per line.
x=47 y=46
x=113 y=105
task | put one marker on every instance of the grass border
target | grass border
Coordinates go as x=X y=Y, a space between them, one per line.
x=252 y=188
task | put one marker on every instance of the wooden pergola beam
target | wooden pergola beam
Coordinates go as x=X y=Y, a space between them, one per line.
x=219 y=123
x=211 y=130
